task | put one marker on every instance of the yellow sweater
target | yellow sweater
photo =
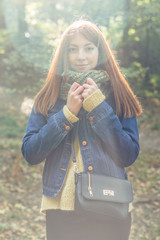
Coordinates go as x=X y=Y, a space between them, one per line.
x=65 y=199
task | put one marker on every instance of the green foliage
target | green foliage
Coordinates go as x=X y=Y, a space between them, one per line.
x=31 y=30
x=9 y=127
x=15 y=71
x=140 y=44
x=136 y=75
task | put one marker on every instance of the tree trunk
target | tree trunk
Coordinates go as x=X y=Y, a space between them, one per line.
x=22 y=25
x=126 y=47
x=2 y=21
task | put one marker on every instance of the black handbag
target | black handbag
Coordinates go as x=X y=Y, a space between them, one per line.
x=101 y=194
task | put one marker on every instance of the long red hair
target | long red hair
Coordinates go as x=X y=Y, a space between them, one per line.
x=125 y=99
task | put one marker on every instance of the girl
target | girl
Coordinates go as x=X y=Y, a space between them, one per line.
x=85 y=96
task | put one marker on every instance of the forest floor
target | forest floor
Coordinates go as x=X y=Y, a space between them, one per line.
x=21 y=188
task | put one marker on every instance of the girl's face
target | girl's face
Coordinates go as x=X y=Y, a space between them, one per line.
x=82 y=54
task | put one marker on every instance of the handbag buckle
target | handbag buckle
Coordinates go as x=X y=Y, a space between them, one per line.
x=75 y=168
x=108 y=192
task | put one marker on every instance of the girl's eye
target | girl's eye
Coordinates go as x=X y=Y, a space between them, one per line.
x=72 y=49
x=90 y=48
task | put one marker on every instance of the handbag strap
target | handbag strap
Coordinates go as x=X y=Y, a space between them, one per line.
x=75 y=168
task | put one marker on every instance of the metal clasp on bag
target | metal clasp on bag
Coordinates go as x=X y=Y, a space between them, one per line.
x=108 y=193
x=75 y=168
x=89 y=185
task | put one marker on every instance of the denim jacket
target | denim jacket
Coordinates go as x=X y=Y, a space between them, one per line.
x=108 y=143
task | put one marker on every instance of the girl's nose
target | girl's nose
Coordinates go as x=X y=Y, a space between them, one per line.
x=81 y=54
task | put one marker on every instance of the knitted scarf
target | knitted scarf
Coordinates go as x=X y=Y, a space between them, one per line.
x=98 y=76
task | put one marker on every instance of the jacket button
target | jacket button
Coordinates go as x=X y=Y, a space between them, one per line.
x=67 y=128
x=91 y=118
x=84 y=143
x=90 y=168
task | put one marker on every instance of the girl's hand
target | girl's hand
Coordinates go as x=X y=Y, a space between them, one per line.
x=75 y=99
x=89 y=88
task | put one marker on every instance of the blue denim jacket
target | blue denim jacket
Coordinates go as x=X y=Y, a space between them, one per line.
x=108 y=143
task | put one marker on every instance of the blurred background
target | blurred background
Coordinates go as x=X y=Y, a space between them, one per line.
x=29 y=34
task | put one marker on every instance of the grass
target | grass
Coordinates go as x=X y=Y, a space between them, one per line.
x=155 y=126
x=7 y=226
x=145 y=177
x=146 y=168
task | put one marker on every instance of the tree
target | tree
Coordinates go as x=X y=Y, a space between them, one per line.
x=139 y=48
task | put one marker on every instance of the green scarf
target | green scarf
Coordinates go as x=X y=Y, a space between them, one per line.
x=98 y=76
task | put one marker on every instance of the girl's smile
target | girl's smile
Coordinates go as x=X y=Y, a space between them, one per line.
x=82 y=54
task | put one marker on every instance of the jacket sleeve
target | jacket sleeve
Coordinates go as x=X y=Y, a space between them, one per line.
x=43 y=135
x=120 y=137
